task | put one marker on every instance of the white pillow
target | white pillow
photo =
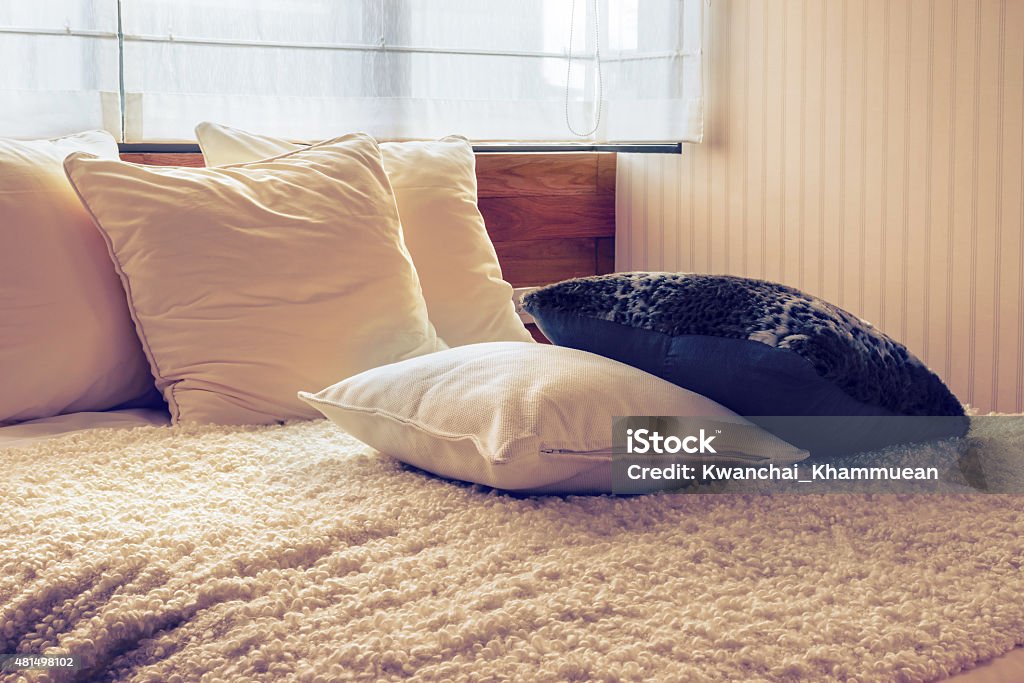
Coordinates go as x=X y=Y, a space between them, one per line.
x=517 y=416
x=66 y=339
x=435 y=186
x=249 y=282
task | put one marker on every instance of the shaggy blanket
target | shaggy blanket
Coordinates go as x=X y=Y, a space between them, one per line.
x=296 y=553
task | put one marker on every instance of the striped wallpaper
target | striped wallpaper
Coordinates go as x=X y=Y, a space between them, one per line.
x=869 y=152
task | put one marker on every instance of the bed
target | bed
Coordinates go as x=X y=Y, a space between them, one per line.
x=294 y=552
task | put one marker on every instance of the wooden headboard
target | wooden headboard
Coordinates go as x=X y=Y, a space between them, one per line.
x=550 y=215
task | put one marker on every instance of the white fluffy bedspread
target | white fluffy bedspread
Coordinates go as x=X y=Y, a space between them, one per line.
x=296 y=553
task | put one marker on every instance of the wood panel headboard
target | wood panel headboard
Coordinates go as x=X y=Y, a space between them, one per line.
x=550 y=215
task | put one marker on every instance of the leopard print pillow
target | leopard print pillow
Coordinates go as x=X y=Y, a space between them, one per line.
x=864 y=362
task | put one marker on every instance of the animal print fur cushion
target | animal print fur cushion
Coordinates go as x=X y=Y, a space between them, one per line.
x=865 y=363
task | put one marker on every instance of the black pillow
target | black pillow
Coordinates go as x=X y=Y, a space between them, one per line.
x=769 y=352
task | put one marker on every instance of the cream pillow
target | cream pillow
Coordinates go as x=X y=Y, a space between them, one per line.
x=249 y=282
x=521 y=417
x=66 y=339
x=435 y=186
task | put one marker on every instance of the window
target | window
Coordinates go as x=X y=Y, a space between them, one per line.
x=149 y=70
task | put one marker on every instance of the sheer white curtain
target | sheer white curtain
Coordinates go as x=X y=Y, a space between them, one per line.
x=487 y=69
x=58 y=67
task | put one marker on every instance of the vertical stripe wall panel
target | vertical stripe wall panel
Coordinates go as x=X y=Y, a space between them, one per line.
x=870 y=152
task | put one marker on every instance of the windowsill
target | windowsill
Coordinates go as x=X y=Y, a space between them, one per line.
x=482 y=148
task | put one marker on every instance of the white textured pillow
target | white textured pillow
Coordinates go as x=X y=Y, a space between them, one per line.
x=435 y=186
x=249 y=282
x=66 y=339
x=493 y=413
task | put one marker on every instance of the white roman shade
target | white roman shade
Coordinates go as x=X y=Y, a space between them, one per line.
x=60 y=68
x=399 y=69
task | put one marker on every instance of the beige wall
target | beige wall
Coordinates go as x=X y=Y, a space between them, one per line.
x=869 y=152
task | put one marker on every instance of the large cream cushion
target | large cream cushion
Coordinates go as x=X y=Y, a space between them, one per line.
x=524 y=417
x=67 y=343
x=436 y=190
x=250 y=282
